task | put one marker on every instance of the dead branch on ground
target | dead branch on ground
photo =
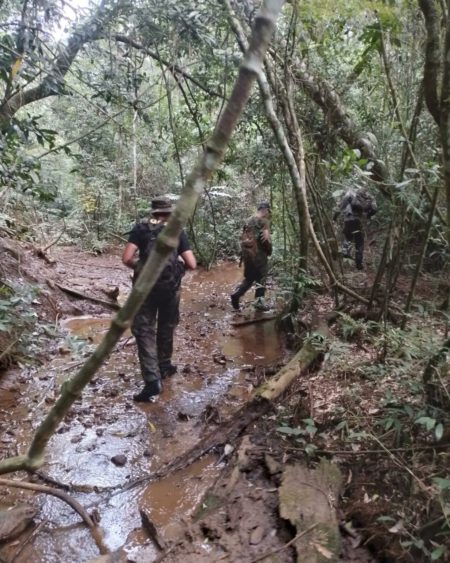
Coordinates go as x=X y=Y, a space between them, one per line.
x=80 y=295
x=75 y=505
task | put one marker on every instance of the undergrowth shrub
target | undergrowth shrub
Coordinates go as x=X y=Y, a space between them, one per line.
x=19 y=328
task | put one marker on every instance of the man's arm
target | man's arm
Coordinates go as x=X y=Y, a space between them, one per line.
x=265 y=239
x=189 y=259
x=373 y=208
x=129 y=255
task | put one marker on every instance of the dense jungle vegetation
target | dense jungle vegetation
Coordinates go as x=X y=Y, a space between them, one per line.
x=104 y=106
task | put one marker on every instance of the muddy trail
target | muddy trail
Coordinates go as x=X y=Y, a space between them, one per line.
x=107 y=441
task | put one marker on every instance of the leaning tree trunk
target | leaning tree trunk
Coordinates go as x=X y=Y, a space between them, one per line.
x=167 y=241
x=445 y=122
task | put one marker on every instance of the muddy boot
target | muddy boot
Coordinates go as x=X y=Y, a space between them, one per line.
x=167 y=371
x=235 y=302
x=346 y=250
x=259 y=305
x=150 y=391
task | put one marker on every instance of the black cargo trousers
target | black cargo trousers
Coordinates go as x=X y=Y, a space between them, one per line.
x=154 y=327
x=353 y=232
x=254 y=273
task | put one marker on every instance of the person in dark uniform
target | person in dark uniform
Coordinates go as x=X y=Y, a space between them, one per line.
x=155 y=322
x=353 y=207
x=256 y=247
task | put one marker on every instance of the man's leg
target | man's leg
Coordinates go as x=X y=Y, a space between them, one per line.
x=242 y=288
x=260 y=290
x=359 y=247
x=143 y=329
x=346 y=249
x=168 y=319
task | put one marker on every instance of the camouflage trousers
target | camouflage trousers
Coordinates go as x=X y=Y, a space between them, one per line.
x=153 y=327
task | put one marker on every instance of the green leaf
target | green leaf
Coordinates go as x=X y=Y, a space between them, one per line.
x=426 y=421
x=288 y=430
x=441 y=483
x=438 y=552
x=439 y=431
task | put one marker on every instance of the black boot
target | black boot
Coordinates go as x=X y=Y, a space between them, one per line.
x=235 y=302
x=147 y=395
x=167 y=371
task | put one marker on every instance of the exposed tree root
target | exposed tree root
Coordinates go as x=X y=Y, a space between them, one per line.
x=75 y=505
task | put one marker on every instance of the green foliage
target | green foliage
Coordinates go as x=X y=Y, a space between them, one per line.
x=302 y=434
x=19 y=330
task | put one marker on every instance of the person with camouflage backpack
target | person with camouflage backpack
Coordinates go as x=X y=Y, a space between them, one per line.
x=256 y=247
x=154 y=324
x=353 y=207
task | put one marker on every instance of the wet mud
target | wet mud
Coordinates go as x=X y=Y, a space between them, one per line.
x=107 y=440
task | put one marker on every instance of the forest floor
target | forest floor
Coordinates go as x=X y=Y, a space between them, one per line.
x=357 y=408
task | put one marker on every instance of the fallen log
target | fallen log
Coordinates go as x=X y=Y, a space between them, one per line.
x=80 y=295
x=261 y=402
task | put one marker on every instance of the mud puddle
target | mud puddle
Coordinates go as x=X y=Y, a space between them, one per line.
x=107 y=440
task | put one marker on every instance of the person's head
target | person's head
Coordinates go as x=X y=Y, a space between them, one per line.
x=161 y=208
x=264 y=209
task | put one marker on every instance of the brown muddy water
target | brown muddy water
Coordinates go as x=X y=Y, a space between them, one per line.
x=213 y=358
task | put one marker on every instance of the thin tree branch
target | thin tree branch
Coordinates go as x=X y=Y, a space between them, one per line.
x=90 y=31
x=174 y=68
x=75 y=505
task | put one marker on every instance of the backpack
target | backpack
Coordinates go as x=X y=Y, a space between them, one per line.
x=170 y=278
x=362 y=202
x=249 y=243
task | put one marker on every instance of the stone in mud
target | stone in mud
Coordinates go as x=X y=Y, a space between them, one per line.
x=13 y=522
x=257 y=535
x=119 y=460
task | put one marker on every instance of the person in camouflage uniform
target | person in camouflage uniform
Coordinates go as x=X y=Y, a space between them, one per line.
x=353 y=207
x=155 y=323
x=256 y=247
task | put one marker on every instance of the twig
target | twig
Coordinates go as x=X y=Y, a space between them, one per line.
x=123 y=239
x=44 y=250
x=386 y=451
x=421 y=484
x=75 y=505
x=49 y=480
x=165 y=554
x=286 y=545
